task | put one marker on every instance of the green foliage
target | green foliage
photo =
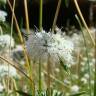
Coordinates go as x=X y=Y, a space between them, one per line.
x=23 y=93
x=3 y=2
x=53 y=93
x=65 y=67
x=42 y=93
x=59 y=74
x=79 y=94
x=67 y=3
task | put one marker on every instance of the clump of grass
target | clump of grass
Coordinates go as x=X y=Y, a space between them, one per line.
x=51 y=79
x=85 y=44
x=23 y=45
x=84 y=23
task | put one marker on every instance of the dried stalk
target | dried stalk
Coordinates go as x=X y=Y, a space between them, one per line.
x=84 y=23
x=26 y=15
x=23 y=45
x=56 y=15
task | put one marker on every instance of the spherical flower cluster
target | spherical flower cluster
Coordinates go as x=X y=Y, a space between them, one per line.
x=6 y=41
x=3 y=15
x=40 y=44
x=84 y=80
x=74 y=89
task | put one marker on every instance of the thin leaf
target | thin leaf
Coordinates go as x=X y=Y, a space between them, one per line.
x=23 y=93
x=14 y=65
x=65 y=67
x=78 y=94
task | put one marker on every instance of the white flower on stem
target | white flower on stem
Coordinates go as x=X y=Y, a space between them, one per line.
x=6 y=41
x=84 y=80
x=18 y=48
x=1 y=87
x=86 y=76
x=67 y=82
x=3 y=15
x=74 y=89
x=40 y=44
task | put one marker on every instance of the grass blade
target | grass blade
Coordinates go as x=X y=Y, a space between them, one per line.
x=78 y=94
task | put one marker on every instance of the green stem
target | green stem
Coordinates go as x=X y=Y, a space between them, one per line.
x=40 y=86
x=95 y=72
x=48 y=72
x=40 y=17
x=95 y=81
x=86 y=54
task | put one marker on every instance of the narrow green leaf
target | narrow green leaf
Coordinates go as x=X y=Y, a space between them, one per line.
x=65 y=67
x=23 y=93
x=78 y=94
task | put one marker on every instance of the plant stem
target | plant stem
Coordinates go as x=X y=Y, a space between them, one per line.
x=95 y=70
x=56 y=80
x=15 y=86
x=40 y=15
x=26 y=15
x=14 y=65
x=1 y=31
x=23 y=46
x=40 y=87
x=95 y=81
x=78 y=67
x=13 y=7
x=56 y=15
x=84 y=23
x=48 y=72
x=86 y=54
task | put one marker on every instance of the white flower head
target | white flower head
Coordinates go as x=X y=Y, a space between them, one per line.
x=67 y=82
x=6 y=41
x=84 y=80
x=18 y=48
x=4 y=70
x=86 y=76
x=40 y=44
x=74 y=89
x=3 y=15
x=1 y=87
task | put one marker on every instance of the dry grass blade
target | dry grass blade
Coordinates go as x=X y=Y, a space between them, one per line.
x=14 y=65
x=52 y=77
x=84 y=23
x=40 y=15
x=26 y=15
x=28 y=68
x=15 y=86
x=13 y=7
x=20 y=36
x=48 y=72
x=56 y=15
